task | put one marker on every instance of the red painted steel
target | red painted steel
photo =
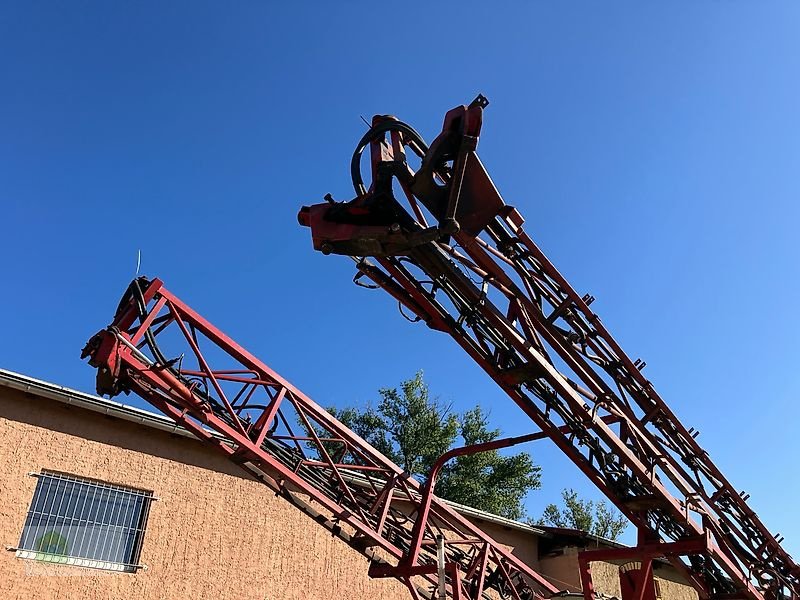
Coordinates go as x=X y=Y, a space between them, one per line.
x=161 y=349
x=476 y=275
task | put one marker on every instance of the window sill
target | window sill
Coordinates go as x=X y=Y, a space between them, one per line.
x=74 y=561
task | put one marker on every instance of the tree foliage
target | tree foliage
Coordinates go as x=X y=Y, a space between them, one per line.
x=597 y=518
x=414 y=429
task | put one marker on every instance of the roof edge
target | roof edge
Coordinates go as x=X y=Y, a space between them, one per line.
x=71 y=397
x=139 y=416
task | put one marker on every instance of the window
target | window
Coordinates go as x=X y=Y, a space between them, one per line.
x=85 y=523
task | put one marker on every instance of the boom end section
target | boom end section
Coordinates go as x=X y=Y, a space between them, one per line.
x=449 y=193
x=102 y=352
x=103 y=349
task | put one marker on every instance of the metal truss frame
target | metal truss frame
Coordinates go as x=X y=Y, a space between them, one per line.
x=164 y=351
x=457 y=258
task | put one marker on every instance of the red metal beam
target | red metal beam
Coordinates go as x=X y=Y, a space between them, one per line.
x=500 y=298
x=161 y=349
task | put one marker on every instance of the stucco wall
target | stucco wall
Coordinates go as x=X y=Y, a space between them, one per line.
x=521 y=544
x=563 y=568
x=213 y=533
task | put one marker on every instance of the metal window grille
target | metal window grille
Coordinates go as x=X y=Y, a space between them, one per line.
x=85 y=523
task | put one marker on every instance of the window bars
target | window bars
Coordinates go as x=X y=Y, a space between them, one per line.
x=85 y=523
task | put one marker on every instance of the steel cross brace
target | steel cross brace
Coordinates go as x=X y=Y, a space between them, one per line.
x=407 y=567
x=640 y=580
x=160 y=348
x=489 y=286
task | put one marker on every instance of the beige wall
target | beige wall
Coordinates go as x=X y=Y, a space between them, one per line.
x=563 y=571
x=213 y=533
x=521 y=544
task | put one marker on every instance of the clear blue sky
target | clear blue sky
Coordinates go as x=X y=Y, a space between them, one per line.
x=654 y=150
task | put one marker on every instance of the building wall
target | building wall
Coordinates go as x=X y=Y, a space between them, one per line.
x=563 y=569
x=521 y=544
x=214 y=532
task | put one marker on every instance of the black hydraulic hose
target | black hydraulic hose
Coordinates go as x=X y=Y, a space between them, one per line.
x=148 y=335
x=414 y=141
x=136 y=291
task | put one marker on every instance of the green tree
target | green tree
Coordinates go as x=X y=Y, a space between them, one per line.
x=414 y=429
x=597 y=518
x=488 y=480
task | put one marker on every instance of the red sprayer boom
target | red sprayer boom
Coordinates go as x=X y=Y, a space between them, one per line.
x=456 y=257
x=161 y=349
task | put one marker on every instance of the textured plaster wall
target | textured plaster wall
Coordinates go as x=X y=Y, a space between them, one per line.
x=563 y=569
x=671 y=587
x=522 y=545
x=214 y=533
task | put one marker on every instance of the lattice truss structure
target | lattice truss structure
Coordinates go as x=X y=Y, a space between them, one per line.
x=432 y=230
x=161 y=349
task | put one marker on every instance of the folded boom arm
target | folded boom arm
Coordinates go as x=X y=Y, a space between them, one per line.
x=456 y=257
x=161 y=349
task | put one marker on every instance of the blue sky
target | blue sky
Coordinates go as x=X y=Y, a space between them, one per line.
x=654 y=151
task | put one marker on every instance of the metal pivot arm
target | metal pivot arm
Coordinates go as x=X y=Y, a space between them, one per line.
x=161 y=349
x=430 y=484
x=495 y=292
x=418 y=533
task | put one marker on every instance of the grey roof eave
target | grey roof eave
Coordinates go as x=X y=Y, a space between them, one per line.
x=112 y=408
